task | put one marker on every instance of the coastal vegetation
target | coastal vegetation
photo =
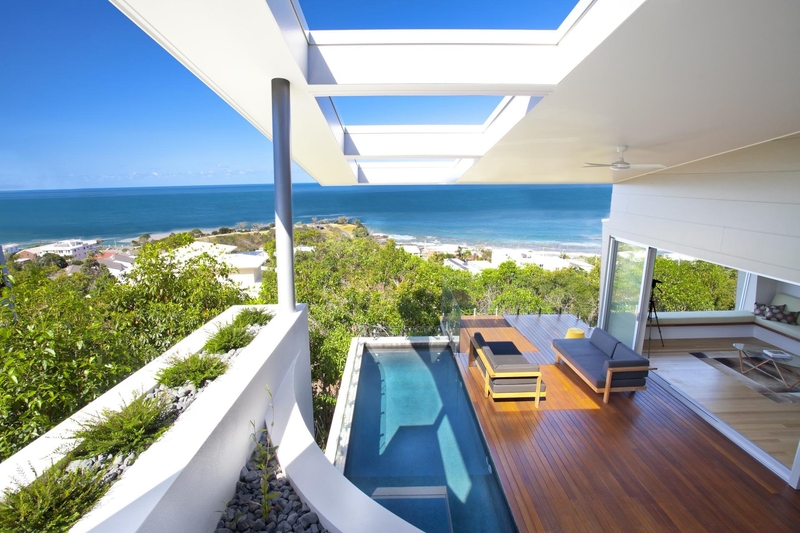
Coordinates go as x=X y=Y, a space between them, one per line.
x=64 y=340
x=109 y=443
x=196 y=369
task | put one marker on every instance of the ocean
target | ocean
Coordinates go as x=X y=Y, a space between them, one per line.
x=561 y=217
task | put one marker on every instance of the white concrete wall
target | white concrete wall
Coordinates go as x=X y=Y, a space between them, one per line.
x=52 y=446
x=341 y=506
x=740 y=209
x=182 y=480
x=788 y=288
x=765 y=290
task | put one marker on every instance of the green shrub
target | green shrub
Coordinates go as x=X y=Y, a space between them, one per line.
x=53 y=502
x=230 y=337
x=132 y=429
x=68 y=340
x=250 y=316
x=197 y=369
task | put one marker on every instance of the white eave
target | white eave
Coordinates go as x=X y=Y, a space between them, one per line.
x=666 y=77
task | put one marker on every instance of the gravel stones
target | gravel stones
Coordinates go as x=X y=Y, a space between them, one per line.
x=285 y=513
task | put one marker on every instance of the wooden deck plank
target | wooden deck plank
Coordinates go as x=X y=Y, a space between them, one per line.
x=644 y=462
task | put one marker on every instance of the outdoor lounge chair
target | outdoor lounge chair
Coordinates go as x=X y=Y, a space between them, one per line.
x=507 y=375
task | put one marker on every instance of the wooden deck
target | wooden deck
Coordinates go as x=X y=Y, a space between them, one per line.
x=644 y=462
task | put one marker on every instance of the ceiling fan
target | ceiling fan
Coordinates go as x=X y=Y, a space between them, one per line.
x=621 y=164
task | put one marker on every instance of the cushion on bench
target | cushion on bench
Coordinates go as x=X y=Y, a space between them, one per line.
x=502 y=347
x=501 y=385
x=590 y=366
x=624 y=357
x=506 y=363
x=603 y=341
x=688 y=318
x=790 y=330
x=574 y=347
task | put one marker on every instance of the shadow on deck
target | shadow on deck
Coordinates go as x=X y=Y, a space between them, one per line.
x=644 y=462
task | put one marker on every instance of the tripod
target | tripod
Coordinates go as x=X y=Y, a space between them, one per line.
x=652 y=313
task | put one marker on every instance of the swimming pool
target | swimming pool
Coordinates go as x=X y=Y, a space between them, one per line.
x=415 y=445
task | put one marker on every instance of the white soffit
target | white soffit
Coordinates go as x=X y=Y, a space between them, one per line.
x=237 y=47
x=678 y=81
x=675 y=80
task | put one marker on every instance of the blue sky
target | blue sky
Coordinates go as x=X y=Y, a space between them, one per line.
x=436 y=14
x=89 y=100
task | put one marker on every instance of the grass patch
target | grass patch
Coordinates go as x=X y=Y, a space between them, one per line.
x=197 y=369
x=53 y=502
x=132 y=429
x=230 y=337
x=252 y=317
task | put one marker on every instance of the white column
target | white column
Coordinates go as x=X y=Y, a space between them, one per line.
x=282 y=154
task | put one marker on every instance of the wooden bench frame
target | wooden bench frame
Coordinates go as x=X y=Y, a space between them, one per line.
x=608 y=389
x=490 y=374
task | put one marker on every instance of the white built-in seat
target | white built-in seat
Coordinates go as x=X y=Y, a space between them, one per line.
x=792 y=303
x=690 y=318
x=708 y=318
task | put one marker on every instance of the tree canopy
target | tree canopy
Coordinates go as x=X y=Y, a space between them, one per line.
x=70 y=338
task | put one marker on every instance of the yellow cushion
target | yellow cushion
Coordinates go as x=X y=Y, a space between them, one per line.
x=575 y=333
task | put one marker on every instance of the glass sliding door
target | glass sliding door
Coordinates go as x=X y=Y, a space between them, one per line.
x=628 y=264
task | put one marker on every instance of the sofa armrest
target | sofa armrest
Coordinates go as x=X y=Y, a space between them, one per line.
x=610 y=371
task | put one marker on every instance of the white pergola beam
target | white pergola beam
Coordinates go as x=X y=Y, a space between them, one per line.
x=435 y=141
x=475 y=61
x=412 y=173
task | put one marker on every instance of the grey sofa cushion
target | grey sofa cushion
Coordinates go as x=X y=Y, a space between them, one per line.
x=618 y=381
x=591 y=366
x=603 y=341
x=503 y=347
x=517 y=367
x=490 y=357
x=624 y=356
x=623 y=353
x=479 y=339
x=506 y=363
x=574 y=347
x=500 y=385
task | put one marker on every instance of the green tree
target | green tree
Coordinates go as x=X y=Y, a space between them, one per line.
x=68 y=339
x=51 y=260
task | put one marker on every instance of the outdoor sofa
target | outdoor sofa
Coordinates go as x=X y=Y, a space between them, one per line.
x=604 y=363
x=507 y=374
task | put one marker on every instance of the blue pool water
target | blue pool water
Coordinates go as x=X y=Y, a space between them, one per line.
x=415 y=445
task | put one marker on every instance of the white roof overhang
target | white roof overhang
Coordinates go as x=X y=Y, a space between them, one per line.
x=676 y=80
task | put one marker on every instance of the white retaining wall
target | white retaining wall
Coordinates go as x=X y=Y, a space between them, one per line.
x=51 y=446
x=340 y=505
x=181 y=482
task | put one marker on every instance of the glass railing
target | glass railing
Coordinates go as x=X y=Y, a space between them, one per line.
x=451 y=315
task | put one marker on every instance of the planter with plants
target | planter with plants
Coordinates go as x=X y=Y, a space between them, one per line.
x=109 y=443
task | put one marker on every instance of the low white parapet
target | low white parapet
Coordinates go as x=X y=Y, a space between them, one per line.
x=52 y=446
x=180 y=483
x=341 y=506
x=184 y=479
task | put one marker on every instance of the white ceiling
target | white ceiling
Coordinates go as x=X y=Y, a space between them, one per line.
x=675 y=80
